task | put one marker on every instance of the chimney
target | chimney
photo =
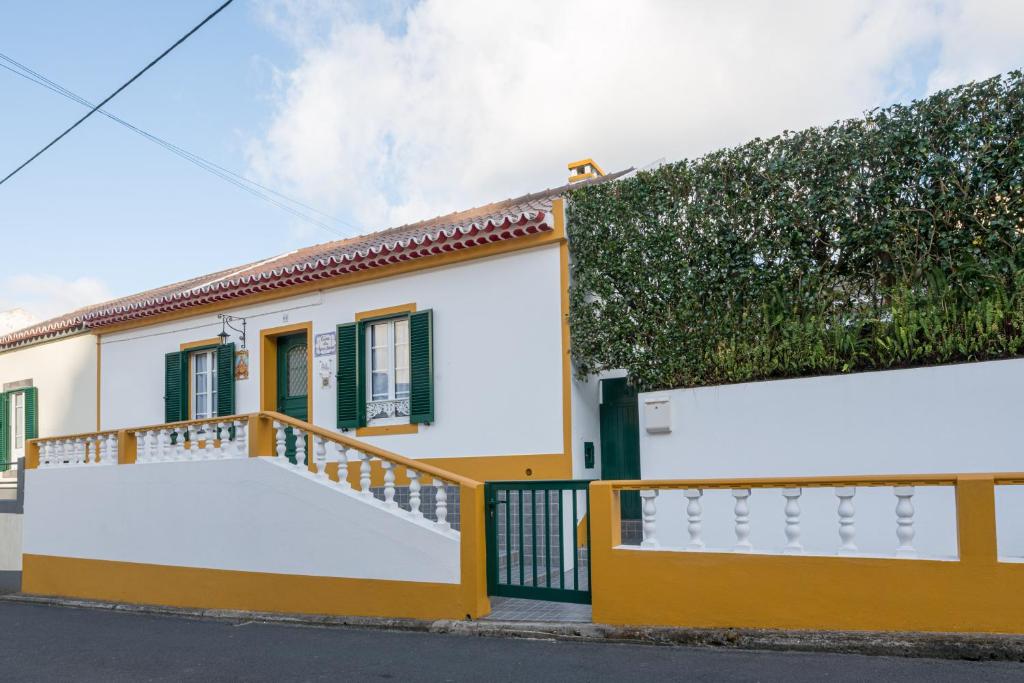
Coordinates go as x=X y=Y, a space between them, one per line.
x=584 y=170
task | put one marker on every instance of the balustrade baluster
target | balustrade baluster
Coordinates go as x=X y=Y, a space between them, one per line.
x=441 y=500
x=320 y=456
x=694 y=517
x=44 y=454
x=209 y=435
x=792 y=509
x=140 y=447
x=115 y=449
x=414 y=492
x=650 y=513
x=241 y=438
x=193 y=441
x=847 y=530
x=300 y=448
x=223 y=434
x=176 y=449
x=344 y=455
x=389 y=484
x=364 y=474
x=905 y=521
x=742 y=514
x=280 y=437
x=163 y=445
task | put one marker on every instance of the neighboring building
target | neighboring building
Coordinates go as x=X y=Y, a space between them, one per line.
x=445 y=340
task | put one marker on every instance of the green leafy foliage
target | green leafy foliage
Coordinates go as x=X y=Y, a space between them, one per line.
x=889 y=241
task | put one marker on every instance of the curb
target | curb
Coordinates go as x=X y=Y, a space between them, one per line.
x=964 y=646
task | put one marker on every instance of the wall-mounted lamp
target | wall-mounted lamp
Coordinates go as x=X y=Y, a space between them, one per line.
x=225 y=325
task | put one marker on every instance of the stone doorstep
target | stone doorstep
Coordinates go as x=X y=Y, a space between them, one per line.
x=967 y=646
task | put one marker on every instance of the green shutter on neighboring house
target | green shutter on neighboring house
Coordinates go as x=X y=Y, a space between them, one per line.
x=421 y=366
x=350 y=403
x=175 y=386
x=31 y=413
x=4 y=440
x=225 y=380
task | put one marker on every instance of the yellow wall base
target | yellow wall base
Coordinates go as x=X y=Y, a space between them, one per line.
x=507 y=467
x=235 y=590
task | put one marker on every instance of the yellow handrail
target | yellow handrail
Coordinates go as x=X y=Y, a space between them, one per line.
x=813 y=482
x=369 y=448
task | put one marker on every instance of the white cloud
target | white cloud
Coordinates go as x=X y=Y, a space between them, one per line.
x=46 y=296
x=405 y=113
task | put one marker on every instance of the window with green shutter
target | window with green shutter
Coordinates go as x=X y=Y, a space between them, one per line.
x=386 y=371
x=175 y=386
x=5 y=448
x=421 y=367
x=31 y=413
x=348 y=376
x=201 y=378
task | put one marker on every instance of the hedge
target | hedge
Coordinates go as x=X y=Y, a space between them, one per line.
x=889 y=241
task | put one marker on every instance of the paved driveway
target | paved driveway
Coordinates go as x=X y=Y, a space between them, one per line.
x=48 y=643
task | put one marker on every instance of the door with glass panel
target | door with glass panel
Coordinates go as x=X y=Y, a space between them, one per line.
x=293 y=382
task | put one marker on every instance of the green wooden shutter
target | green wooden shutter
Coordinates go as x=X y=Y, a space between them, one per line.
x=350 y=405
x=225 y=380
x=31 y=413
x=421 y=366
x=175 y=386
x=5 y=459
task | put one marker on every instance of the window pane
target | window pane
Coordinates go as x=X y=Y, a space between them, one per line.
x=298 y=367
x=200 y=362
x=401 y=332
x=380 y=386
x=200 y=383
x=200 y=407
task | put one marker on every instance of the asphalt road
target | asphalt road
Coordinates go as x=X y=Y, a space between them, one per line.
x=48 y=643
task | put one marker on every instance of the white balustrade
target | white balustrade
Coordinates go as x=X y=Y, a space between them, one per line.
x=649 y=512
x=320 y=456
x=441 y=500
x=741 y=511
x=905 y=521
x=847 y=530
x=414 y=492
x=793 y=545
x=694 y=518
x=241 y=438
x=280 y=441
x=389 y=484
x=300 y=448
x=345 y=455
x=364 y=474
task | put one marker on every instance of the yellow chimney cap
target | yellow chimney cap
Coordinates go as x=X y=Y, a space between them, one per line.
x=584 y=169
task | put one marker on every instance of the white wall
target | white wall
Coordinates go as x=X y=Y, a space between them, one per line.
x=958 y=418
x=245 y=515
x=497 y=355
x=10 y=542
x=64 y=371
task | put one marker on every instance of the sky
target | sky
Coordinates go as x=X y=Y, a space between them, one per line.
x=384 y=112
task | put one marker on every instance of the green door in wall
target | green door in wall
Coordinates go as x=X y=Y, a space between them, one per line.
x=620 y=439
x=293 y=382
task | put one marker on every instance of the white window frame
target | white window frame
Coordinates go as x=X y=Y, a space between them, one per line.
x=17 y=405
x=397 y=359
x=211 y=385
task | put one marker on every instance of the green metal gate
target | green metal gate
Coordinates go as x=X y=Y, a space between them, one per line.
x=538 y=540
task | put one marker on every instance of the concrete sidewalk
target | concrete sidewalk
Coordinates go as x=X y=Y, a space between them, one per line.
x=963 y=646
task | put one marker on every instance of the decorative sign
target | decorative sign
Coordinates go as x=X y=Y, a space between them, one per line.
x=242 y=364
x=325 y=344
x=326 y=372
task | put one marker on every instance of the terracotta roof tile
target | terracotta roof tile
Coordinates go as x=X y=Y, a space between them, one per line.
x=501 y=220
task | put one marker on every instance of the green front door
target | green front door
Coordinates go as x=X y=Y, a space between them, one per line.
x=293 y=382
x=620 y=439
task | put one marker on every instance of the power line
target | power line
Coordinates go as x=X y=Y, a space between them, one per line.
x=118 y=91
x=242 y=182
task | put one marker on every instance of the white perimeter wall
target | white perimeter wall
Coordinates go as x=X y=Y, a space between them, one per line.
x=957 y=418
x=64 y=371
x=245 y=515
x=497 y=355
